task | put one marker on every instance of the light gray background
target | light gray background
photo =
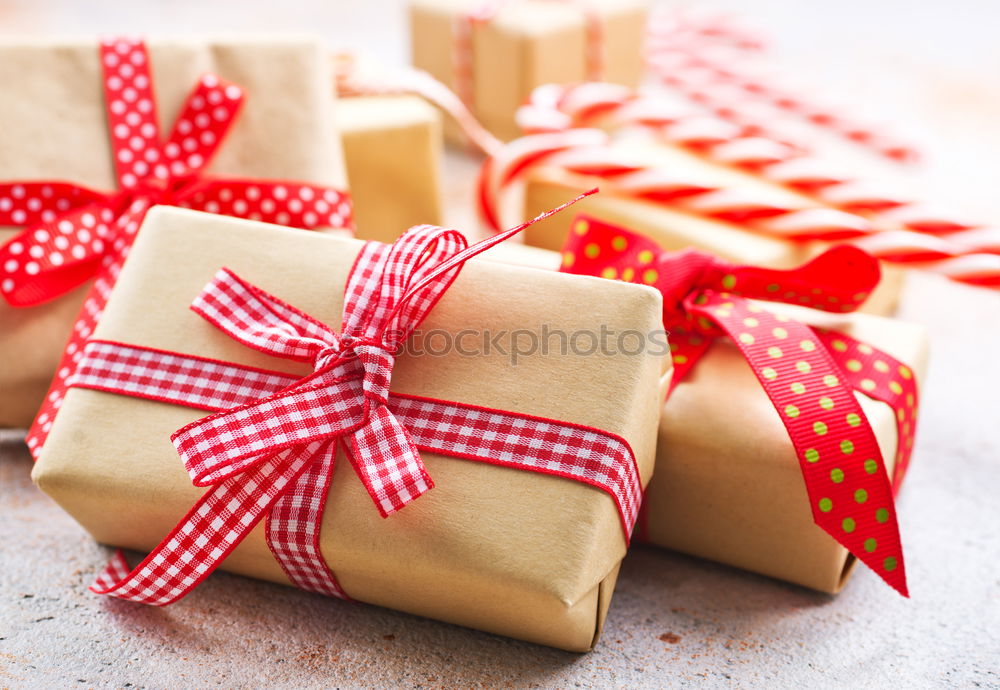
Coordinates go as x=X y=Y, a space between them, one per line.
x=931 y=68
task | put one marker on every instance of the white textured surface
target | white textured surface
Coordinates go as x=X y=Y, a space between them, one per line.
x=675 y=620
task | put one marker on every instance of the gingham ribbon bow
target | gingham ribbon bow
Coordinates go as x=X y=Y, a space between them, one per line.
x=809 y=375
x=73 y=233
x=346 y=396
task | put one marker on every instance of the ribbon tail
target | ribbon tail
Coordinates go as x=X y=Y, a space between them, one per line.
x=388 y=463
x=293 y=527
x=204 y=121
x=849 y=491
x=215 y=526
x=881 y=377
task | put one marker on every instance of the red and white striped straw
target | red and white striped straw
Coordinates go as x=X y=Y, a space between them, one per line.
x=708 y=59
x=557 y=115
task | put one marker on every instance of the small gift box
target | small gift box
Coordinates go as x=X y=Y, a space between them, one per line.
x=493 y=54
x=699 y=502
x=535 y=476
x=680 y=202
x=392 y=140
x=392 y=145
x=93 y=134
x=788 y=430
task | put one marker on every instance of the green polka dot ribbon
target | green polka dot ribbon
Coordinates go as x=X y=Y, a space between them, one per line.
x=809 y=375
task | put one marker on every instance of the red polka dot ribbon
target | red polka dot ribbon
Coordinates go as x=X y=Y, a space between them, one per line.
x=74 y=234
x=269 y=450
x=809 y=375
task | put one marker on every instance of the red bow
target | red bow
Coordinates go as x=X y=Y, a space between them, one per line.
x=74 y=233
x=809 y=375
x=346 y=395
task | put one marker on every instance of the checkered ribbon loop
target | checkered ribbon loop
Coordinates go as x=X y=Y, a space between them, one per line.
x=810 y=376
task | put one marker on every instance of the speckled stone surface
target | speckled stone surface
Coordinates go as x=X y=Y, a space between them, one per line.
x=675 y=620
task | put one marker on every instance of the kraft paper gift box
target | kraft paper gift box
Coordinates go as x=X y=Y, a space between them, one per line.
x=672 y=228
x=392 y=150
x=53 y=126
x=504 y=550
x=727 y=484
x=525 y=44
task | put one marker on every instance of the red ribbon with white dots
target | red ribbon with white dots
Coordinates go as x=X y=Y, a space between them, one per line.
x=810 y=375
x=74 y=234
x=268 y=452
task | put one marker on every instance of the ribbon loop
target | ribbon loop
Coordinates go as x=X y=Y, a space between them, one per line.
x=264 y=323
x=838 y=280
x=55 y=256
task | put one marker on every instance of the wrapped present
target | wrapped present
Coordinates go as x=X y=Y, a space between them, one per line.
x=392 y=140
x=889 y=222
x=788 y=430
x=678 y=203
x=535 y=478
x=492 y=54
x=93 y=135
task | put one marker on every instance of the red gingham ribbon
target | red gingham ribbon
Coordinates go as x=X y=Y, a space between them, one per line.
x=809 y=375
x=73 y=233
x=462 y=45
x=270 y=451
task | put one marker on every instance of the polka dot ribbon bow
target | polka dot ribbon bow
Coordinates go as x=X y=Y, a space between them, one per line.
x=810 y=375
x=74 y=234
x=269 y=451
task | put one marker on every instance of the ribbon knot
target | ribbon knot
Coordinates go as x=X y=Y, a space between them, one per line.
x=685 y=274
x=373 y=363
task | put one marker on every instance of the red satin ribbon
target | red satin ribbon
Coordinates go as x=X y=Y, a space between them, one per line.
x=74 y=234
x=809 y=375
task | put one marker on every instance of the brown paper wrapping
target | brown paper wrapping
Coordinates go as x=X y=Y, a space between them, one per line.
x=53 y=126
x=738 y=497
x=673 y=229
x=528 y=43
x=508 y=551
x=392 y=150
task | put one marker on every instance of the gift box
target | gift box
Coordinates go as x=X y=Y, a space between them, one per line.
x=532 y=555
x=494 y=55
x=699 y=503
x=54 y=125
x=677 y=220
x=392 y=143
x=760 y=439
